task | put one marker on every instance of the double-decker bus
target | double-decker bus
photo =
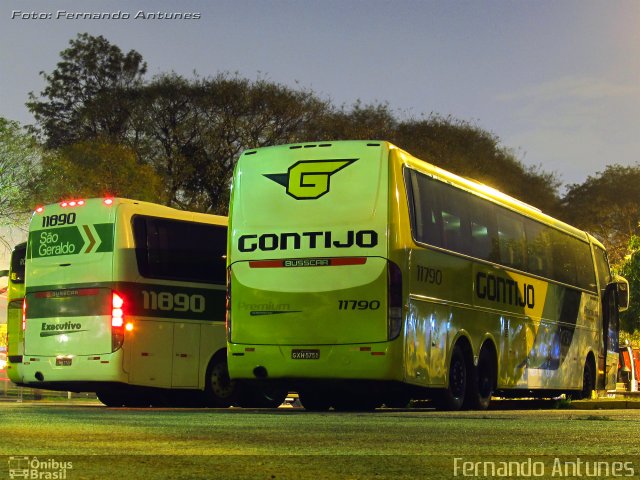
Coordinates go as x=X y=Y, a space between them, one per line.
x=15 y=326
x=127 y=299
x=360 y=276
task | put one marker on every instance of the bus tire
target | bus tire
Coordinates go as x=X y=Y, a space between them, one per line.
x=220 y=390
x=356 y=402
x=263 y=396
x=452 y=397
x=588 y=380
x=111 y=399
x=483 y=382
x=314 y=400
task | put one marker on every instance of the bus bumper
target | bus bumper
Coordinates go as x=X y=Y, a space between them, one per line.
x=377 y=361
x=54 y=373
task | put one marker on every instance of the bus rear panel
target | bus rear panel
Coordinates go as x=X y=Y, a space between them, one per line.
x=313 y=293
x=15 y=327
x=71 y=334
x=126 y=299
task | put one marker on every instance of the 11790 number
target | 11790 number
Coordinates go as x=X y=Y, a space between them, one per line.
x=358 y=304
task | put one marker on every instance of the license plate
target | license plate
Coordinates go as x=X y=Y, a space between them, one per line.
x=63 y=362
x=297 y=354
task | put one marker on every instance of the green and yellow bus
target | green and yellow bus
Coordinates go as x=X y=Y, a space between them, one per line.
x=127 y=299
x=15 y=326
x=360 y=276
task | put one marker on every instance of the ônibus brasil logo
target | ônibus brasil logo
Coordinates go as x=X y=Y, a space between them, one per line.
x=309 y=179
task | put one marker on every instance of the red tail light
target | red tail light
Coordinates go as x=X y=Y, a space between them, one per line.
x=117 y=321
x=228 y=305
x=24 y=314
x=394 y=299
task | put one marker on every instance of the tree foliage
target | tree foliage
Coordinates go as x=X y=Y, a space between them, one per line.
x=608 y=205
x=191 y=131
x=471 y=152
x=19 y=166
x=97 y=168
x=89 y=93
x=630 y=269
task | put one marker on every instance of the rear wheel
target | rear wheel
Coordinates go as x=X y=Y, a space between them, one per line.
x=483 y=382
x=452 y=397
x=111 y=399
x=348 y=400
x=588 y=380
x=220 y=390
x=314 y=400
x=263 y=396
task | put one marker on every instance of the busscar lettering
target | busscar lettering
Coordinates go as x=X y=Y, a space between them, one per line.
x=295 y=241
x=504 y=290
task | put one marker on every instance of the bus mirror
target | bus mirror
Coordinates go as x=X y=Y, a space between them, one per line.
x=623 y=293
x=4 y=273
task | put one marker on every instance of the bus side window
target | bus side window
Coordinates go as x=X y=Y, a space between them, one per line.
x=538 y=249
x=426 y=219
x=454 y=209
x=602 y=266
x=512 y=240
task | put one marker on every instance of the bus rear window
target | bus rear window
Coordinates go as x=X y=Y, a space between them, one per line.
x=17 y=263
x=179 y=250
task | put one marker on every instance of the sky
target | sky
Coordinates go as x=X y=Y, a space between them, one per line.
x=557 y=81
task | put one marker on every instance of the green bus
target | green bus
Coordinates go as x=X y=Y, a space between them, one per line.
x=361 y=276
x=15 y=326
x=127 y=299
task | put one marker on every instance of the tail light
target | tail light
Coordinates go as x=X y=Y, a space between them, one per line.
x=228 y=305
x=117 y=321
x=24 y=314
x=394 y=300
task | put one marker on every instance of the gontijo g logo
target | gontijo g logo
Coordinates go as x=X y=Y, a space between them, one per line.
x=309 y=179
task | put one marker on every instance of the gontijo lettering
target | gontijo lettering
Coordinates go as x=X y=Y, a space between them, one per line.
x=504 y=290
x=293 y=240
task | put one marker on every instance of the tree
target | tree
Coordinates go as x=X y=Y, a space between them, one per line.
x=471 y=152
x=630 y=269
x=192 y=132
x=97 y=168
x=607 y=205
x=19 y=165
x=89 y=93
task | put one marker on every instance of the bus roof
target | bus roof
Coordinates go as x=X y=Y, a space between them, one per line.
x=116 y=201
x=485 y=191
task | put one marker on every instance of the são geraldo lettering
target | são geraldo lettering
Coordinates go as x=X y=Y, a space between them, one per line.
x=295 y=241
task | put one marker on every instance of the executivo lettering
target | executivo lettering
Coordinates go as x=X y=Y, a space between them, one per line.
x=51 y=329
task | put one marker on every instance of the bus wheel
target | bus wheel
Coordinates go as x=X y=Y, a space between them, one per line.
x=111 y=399
x=484 y=381
x=314 y=401
x=263 y=396
x=352 y=401
x=452 y=397
x=588 y=380
x=220 y=390
x=399 y=400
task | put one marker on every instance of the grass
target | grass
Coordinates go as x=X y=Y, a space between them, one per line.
x=291 y=443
